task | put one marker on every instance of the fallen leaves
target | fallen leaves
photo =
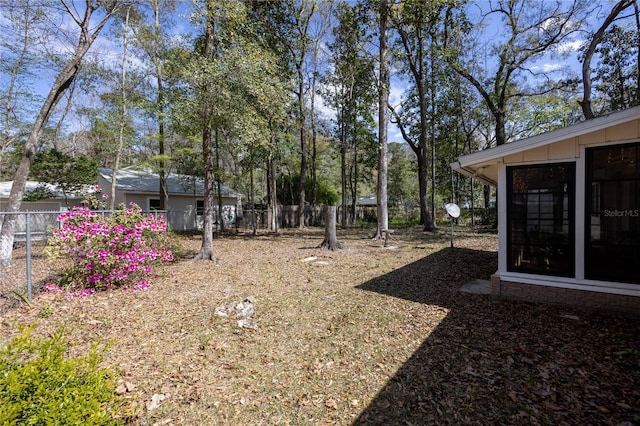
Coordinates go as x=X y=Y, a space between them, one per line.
x=377 y=337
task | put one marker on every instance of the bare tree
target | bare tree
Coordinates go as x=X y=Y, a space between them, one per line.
x=20 y=36
x=585 y=103
x=414 y=25
x=299 y=51
x=206 y=250
x=152 y=40
x=88 y=32
x=123 y=112
x=532 y=29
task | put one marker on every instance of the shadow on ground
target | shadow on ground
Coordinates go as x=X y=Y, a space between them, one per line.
x=501 y=362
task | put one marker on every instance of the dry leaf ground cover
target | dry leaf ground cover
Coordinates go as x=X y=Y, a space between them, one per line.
x=365 y=335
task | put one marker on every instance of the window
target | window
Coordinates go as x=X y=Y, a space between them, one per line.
x=199 y=207
x=613 y=213
x=154 y=204
x=540 y=219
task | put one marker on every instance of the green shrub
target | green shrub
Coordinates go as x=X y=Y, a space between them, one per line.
x=39 y=385
x=489 y=217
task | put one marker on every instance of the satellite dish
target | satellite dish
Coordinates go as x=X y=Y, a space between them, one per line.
x=453 y=210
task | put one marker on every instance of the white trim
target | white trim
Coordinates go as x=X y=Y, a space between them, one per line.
x=502 y=218
x=572 y=283
x=502 y=213
x=540 y=162
x=576 y=130
x=579 y=219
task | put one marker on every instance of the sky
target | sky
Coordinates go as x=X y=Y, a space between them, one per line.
x=108 y=50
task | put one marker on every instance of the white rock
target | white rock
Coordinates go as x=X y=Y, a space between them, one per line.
x=155 y=402
x=247 y=323
x=221 y=312
x=246 y=311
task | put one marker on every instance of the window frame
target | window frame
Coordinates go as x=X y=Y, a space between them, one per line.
x=569 y=193
x=150 y=207
x=596 y=190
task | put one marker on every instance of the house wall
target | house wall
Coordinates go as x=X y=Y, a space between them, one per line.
x=181 y=209
x=575 y=290
x=43 y=213
x=563 y=296
x=106 y=189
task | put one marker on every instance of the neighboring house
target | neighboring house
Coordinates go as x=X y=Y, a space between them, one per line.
x=54 y=197
x=54 y=201
x=370 y=201
x=568 y=213
x=186 y=197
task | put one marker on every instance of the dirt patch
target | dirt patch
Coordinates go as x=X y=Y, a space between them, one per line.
x=364 y=335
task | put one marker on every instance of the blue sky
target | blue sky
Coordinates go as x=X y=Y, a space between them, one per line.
x=109 y=51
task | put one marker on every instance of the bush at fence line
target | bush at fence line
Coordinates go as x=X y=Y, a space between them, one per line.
x=40 y=385
x=108 y=251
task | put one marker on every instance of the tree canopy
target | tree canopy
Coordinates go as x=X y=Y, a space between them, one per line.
x=263 y=96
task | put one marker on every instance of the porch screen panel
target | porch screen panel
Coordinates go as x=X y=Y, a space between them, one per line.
x=613 y=214
x=540 y=219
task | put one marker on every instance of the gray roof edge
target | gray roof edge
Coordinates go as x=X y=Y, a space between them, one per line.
x=578 y=129
x=107 y=174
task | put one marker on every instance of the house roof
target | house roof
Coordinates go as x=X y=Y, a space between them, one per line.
x=54 y=190
x=482 y=165
x=133 y=180
x=371 y=200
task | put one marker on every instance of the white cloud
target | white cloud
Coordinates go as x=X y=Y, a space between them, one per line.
x=548 y=67
x=396 y=93
x=571 y=46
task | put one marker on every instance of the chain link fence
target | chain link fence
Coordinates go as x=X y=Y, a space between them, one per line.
x=31 y=231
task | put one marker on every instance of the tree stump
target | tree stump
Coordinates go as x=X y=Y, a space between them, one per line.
x=386 y=236
x=330 y=240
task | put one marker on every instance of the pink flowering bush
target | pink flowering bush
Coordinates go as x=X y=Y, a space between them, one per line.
x=108 y=251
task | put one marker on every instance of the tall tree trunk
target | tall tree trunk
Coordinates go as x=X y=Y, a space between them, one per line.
x=432 y=137
x=343 y=173
x=206 y=250
x=272 y=189
x=500 y=116
x=61 y=84
x=163 y=193
x=486 y=194
x=314 y=135
x=303 y=149
x=383 y=122
x=218 y=179
x=354 y=187
x=123 y=113
x=423 y=173
x=252 y=201
x=417 y=67
x=473 y=202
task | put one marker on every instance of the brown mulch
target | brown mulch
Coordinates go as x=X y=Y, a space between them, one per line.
x=363 y=335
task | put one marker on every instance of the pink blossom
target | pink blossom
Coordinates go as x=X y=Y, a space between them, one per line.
x=107 y=253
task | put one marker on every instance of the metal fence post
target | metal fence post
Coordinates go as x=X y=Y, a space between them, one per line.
x=28 y=254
